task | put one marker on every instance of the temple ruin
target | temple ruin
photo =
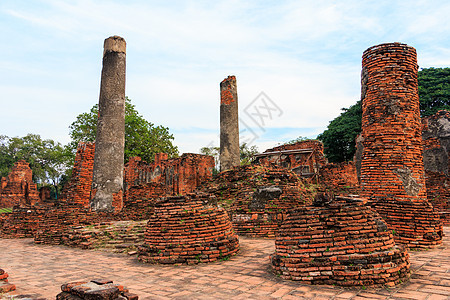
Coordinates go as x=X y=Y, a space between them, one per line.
x=174 y=211
x=183 y=229
x=258 y=197
x=18 y=187
x=392 y=173
x=107 y=182
x=339 y=241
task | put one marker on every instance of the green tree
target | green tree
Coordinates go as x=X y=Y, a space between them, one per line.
x=339 y=137
x=142 y=138
x=434 y=90
x=246 y=154
x=48 y=159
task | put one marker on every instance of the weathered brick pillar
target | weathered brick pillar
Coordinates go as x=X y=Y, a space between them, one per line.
x=392 y=174
x=107 y=184
x=229 y=124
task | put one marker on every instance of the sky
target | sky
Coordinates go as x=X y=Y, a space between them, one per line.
x=297 y=63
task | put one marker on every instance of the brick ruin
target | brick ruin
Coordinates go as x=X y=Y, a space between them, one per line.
x=392 y=174
x=142 y=181
x=183 y=229
x=177 y=176
x=339 y=178
x=78 y=189
x=340 y=242
x=194 y=218
x=307 y=160
x=435 y=143
x=257 y=197
x=436 y=147
x=304 y=158
x=98 y=289
x=5 y=286
x=18 y=187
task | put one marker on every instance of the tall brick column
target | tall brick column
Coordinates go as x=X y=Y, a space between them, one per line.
x=107 y=184
x=392 y=174
x=229 y=124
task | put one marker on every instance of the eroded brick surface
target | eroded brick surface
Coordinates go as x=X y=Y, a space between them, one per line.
x=98 y=289
x=392 y=173
x=257 y=197
x=436 y=147
x=183 y=229
x=78 y=189
x=342 y=242
x=340 y=178
x=5 y=286
x=304 y=158
x=18 y=187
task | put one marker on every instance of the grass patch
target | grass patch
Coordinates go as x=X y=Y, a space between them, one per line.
x=6 y=210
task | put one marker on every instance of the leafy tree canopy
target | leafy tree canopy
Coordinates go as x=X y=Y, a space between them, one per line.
x=434 y=90
x=48 y=159
x=142 y=138
x=339 y=137
x=246 y=154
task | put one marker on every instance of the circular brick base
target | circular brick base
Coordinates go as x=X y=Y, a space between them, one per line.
x=184 y=230
x=343 y=243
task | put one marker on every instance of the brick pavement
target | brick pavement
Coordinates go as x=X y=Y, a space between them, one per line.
x=39 y=270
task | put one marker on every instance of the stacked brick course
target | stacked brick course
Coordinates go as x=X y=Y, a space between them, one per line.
x=304 y=158
x=22 y=222
x=78 y=189
x=257 y=197
x=392 y=173
x=341 y=242
x=5 y=286
x=436 y=148
x=185 y=230
x=178 y=175
x=18 y=187
x=340 y=178
x=56 y=225
x=95 y=289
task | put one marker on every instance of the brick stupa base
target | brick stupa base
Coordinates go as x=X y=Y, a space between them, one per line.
x=342 y=242
x=184 y=230
x=414 y=224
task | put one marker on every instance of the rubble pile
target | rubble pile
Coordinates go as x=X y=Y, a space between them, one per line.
x=95 y=289
x=5 y=286
x=257 y=197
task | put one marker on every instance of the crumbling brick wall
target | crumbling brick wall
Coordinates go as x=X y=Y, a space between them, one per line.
x=436 y=148
x=178 y=175
x=18 y=187
x=258 y=197
x=185 y=230
x=339 y=178
x=78 y=189
x=22 y=222
x=341 y=242
x=392 y=173
x=304 y=158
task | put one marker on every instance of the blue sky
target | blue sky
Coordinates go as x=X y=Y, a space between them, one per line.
x=304 y=55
